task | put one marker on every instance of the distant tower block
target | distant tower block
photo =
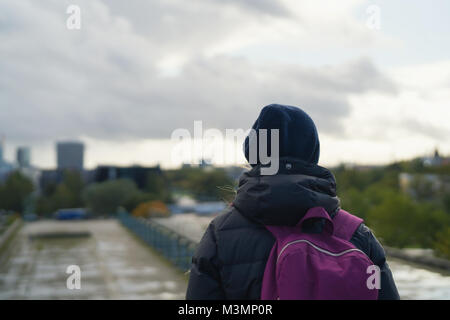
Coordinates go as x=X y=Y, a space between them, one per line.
x=2 y=139
x=24 y=157
x=70 y=155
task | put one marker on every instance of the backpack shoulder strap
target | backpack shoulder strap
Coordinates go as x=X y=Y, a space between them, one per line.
x=345 y=224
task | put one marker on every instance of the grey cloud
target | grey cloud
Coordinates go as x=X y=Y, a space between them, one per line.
x=423 y=128
x=264 y=6
x=385 y=128
x=105 y=84
x=223 y=92
x=185 y=28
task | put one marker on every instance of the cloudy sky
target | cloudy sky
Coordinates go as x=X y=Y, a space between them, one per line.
x=137 y=70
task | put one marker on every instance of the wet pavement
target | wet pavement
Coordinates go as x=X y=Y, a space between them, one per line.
x=113 y=263
x=416 y=282
x=116 y=265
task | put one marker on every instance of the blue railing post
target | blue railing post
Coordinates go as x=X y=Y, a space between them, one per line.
x=175 y=247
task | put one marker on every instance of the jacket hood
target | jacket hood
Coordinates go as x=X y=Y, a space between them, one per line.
x=298 y=137
x=284 y=198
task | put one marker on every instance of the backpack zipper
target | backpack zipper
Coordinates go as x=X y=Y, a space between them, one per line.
x=319 y=249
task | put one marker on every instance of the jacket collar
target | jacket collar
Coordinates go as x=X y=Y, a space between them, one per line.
x=284 y=198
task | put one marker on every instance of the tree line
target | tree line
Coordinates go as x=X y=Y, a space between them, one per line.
x=104 y=198
x=397 y=218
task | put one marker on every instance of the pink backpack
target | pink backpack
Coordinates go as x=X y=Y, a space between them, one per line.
x=318 y=266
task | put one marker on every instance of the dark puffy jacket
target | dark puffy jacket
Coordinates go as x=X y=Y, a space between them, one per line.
x=230 y=260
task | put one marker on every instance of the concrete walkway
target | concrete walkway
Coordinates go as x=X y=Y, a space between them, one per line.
x=114 y=264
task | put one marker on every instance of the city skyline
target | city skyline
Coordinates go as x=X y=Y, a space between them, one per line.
x=124 y=81
x=12 y=158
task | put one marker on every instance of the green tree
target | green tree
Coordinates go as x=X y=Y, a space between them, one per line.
x=67 y=194
x=396 y=218
x=402 y=222
x=446 y=201
x=107 y=197
x=422 y=188
x=442 y=243
x=63 y=197
x=157 y=188
x=14 y=192
x=209 y=184
x=74 y=183
x=202 y=183
x=355 y=201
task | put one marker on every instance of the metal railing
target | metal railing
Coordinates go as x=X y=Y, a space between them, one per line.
x=175 y=247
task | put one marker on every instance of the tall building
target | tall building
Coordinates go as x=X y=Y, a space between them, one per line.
x=70 y=155
x=1 y=151
x=24 y=157
x=5 y=167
